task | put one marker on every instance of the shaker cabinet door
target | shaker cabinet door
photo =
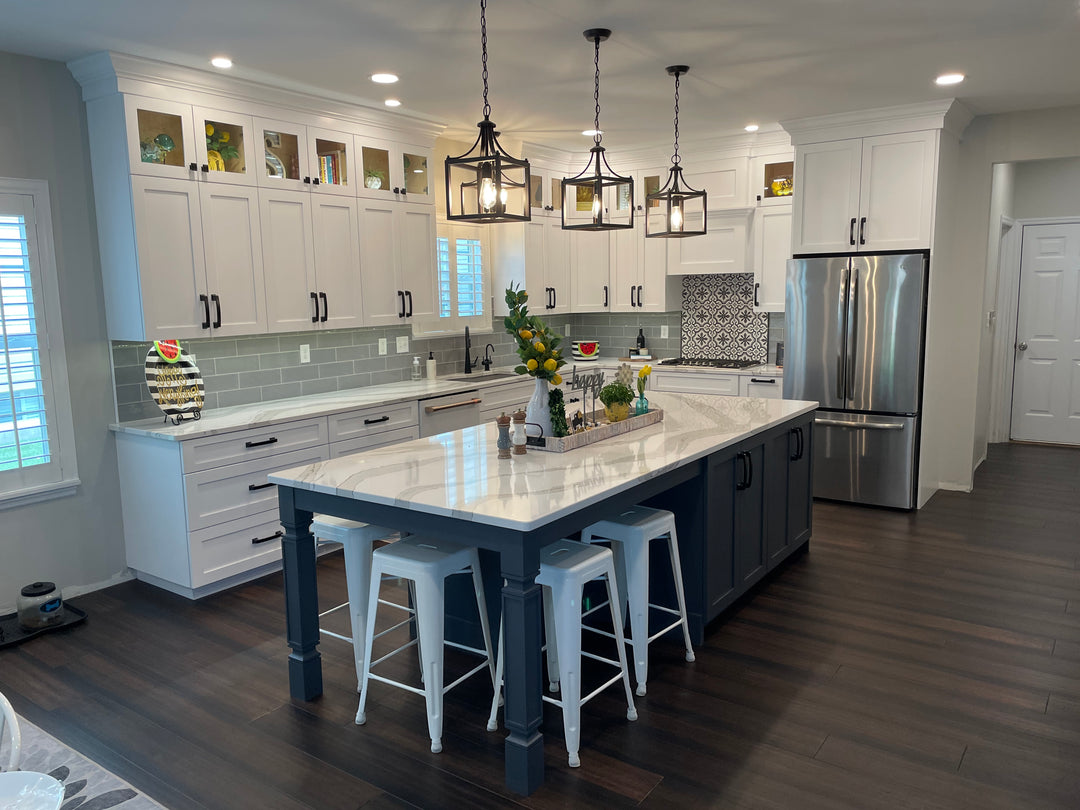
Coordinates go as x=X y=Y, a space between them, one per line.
x=826 y=201
x=288 y=260
x=336 y=233
x=384 y=298
x=897 y=194
x=234 y=261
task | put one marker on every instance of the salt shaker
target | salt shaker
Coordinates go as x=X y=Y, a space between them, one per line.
x=504 y=444
x=519 y=433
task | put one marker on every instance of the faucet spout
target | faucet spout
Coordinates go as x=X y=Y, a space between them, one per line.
x=469 y=363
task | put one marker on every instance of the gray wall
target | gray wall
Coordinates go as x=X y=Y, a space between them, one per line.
x=78 y=540
x=1046 y=188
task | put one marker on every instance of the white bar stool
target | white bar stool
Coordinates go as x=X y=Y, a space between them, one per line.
x=630 y=534
x=427 y=563
x=565 y=567
x=357 y=540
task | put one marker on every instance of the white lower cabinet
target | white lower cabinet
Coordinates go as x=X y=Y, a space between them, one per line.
x=696 y=382
x=768 y=386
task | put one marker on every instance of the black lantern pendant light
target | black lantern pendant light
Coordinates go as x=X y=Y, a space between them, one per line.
x=681 y=208
x=487 y=184
x=588 y=196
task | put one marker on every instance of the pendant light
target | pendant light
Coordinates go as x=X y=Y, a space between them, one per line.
x=680 y=206
x=487 y=184
x=588 y=196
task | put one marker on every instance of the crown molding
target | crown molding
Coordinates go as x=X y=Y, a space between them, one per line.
x=107 y=73
x=945 y=114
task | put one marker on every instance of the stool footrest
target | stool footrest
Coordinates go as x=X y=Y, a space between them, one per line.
x=615 y=679
x=391 y=654
x=667 y=629
x=398 y=684
x=468 y=674
x=332 y=634
x=334 y=609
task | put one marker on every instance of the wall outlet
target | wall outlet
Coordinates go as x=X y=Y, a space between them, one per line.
x=382 y=345
x=664 y=331
x=402 y=344
x=305 y=353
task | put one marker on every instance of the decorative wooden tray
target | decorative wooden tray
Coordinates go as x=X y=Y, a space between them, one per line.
x=605 y=430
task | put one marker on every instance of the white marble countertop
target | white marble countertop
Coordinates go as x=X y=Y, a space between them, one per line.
x=459 y=474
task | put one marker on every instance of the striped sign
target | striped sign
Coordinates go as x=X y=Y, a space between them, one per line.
x=177 y=388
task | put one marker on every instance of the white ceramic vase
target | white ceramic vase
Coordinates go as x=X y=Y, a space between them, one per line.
x=537 y=411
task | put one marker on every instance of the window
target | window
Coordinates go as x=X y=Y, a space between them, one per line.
x=461 y=255
x=37 y=458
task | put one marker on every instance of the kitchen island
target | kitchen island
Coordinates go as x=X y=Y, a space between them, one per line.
x=736 y=471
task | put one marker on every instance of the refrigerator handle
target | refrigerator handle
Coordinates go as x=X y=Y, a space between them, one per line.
x=841 y=330
x=853 y=332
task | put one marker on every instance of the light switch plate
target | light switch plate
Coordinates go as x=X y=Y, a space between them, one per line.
x=382 y=345
x=402 y=343
x=305 y=352
x=664 y=331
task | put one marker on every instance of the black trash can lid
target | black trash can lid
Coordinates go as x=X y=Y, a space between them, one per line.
x=38 y=588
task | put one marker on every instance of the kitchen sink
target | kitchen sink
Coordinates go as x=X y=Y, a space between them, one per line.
x=480 y=376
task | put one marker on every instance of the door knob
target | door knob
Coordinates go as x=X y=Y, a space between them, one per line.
x=1021 y=347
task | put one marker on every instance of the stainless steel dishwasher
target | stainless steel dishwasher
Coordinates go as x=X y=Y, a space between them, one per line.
x=449 y=412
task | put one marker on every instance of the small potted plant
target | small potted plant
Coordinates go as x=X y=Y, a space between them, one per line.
x=373 y=178
x=616 y=398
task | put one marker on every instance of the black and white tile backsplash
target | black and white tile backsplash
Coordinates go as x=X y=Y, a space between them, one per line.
x=718 y=318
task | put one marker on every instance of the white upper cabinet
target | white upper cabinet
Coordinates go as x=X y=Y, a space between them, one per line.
x=289 y=259
x=234 y=261
x=226 y=147
x=589 y=268
x=772 y=249
x=865 y=194
x=284 y=159
x=160 y=138
x=335 y=230
x=725 y=182
x=639 y=279
x=330 y=156
x=721 y=250
x=393 y=171
x=397 y=262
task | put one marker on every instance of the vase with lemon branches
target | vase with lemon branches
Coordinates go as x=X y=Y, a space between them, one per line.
x=541 y=357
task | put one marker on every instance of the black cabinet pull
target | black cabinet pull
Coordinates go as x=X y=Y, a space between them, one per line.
x=315 y=181
x=263 y=443
x=325 y=308
x=205 y=168
x=206 y=311
x=744 y=475
x=401 y=300
x=605 y=296
x=193 y=167
x=756 y=288
x=217 y=309
x=376 y=421
x=547 y=292
x=315 y=301
x=254 y=487
x=798 y=454
x=750 y=470
x=769 y=381
x=554 y=297
x=307 y=180
x=632 y=296
x=408 y=294
x=862 y=231
x=404 y=192
x=256 y=540
x=639 y=296
x=851 y=232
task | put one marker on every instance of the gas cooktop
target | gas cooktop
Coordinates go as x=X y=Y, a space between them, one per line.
x=709 y=362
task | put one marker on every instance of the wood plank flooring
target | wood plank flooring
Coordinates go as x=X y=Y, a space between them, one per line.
x=923 y=660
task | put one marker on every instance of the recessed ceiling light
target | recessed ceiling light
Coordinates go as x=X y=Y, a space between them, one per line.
x=392 y=102
x=751 y=127
x=949 y=78
x=384 y=78
x=221 y=62
x=592 y=133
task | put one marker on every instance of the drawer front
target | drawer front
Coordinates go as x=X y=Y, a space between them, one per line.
x=239 y=490
x=766 y=386
x=691 y=382
x=246 y=445
x=234 y=547
x=507 y=397
x=350 y=446
x=368 y=421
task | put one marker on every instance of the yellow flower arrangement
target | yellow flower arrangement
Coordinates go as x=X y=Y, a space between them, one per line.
x=642 y=379
x=537 y=346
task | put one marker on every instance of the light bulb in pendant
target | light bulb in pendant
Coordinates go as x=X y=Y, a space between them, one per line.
x=676 y=218
x=595 y=207
x=488 y=194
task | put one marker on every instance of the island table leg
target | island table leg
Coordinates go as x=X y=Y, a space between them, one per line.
x=523 y=690
x=301 y=598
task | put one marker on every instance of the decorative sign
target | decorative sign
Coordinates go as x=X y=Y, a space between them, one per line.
x=590 y=383
x=174 y=381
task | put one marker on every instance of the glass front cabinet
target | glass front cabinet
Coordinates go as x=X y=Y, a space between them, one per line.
x=160 y=138
x=393 y=171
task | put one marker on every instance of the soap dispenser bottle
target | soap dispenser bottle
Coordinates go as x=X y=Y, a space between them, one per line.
x=416 y=368
x=431 y=365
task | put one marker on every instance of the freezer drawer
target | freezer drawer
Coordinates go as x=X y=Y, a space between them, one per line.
x=865 y=459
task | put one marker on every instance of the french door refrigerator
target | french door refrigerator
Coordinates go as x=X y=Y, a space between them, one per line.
x=854 y=332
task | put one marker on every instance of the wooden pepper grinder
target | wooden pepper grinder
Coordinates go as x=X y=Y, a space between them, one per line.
x=519 y=433
x=504 y=444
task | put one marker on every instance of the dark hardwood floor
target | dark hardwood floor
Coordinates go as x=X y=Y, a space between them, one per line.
x=926 y=660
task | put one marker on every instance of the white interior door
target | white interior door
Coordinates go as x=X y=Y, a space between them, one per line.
x=1046 y=380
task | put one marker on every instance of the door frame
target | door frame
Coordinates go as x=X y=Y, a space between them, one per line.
x=1008 y=315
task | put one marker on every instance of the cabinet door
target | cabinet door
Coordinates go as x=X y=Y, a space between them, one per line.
x=336 y=233
x=749 y=472
x=826 y=200
x=764 y=387
x=625 y=275
x=557 y=265
x=719 y=526
x=378 y=167
x=535 y=250
x=779 y=449
x=232 y=240
x=658 y=293
x=160 y=137
x=725 y=183
x=800 y=488
x=288 y=260
x=172 y=270
x=589 y=269
x=330 y=156
x=225 y=143
x=417 y=182
x=416 y=252
x=772 y=249
x=384 y=298
x=721 y=250
x=281 y=160
x=897 y=194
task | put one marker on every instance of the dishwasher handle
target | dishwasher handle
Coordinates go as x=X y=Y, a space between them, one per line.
x=448 y=406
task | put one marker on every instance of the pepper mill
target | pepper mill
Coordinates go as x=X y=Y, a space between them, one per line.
x=503 y=421
x=519 y=433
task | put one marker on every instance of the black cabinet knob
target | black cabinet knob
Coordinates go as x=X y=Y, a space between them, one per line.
x=307 y=180
x=397 y=190
x=205 y=168
x=315 y=181
x=193 y=167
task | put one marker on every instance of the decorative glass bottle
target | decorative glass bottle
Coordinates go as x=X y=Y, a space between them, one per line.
x=641 y=406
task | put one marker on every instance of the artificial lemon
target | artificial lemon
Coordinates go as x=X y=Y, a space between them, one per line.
x=525 y=334
x=209 y=130
x=539 y=347
x=557 y=379
x=550 y=365
x=225 y=137
x=531 y=364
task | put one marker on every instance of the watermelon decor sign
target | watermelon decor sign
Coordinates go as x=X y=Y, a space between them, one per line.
x=174 y=381
x=168 y=350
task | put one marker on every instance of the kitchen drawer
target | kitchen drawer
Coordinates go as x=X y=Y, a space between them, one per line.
x=235 y=547
x=508 y=397
x=387 y=437
x=225 y=493
x=764 y=385
x=368 y=421
x=696 y=382
x=245 y=445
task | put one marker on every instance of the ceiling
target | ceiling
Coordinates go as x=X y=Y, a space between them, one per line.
x=751 y=60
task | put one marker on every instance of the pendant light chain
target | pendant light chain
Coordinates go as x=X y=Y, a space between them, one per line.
x=596 y=95
x=675 y=157
x=483 y=48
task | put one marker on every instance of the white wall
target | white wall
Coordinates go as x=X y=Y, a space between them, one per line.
x=75 y=541
x=990 y=139
x=1047 y=188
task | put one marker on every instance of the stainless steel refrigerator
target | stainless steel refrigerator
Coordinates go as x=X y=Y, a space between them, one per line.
x=854 y=333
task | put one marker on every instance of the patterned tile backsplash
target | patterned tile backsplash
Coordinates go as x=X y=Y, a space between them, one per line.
x=718 y=318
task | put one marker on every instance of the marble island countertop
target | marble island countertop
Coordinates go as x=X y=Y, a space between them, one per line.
x=458 y=474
